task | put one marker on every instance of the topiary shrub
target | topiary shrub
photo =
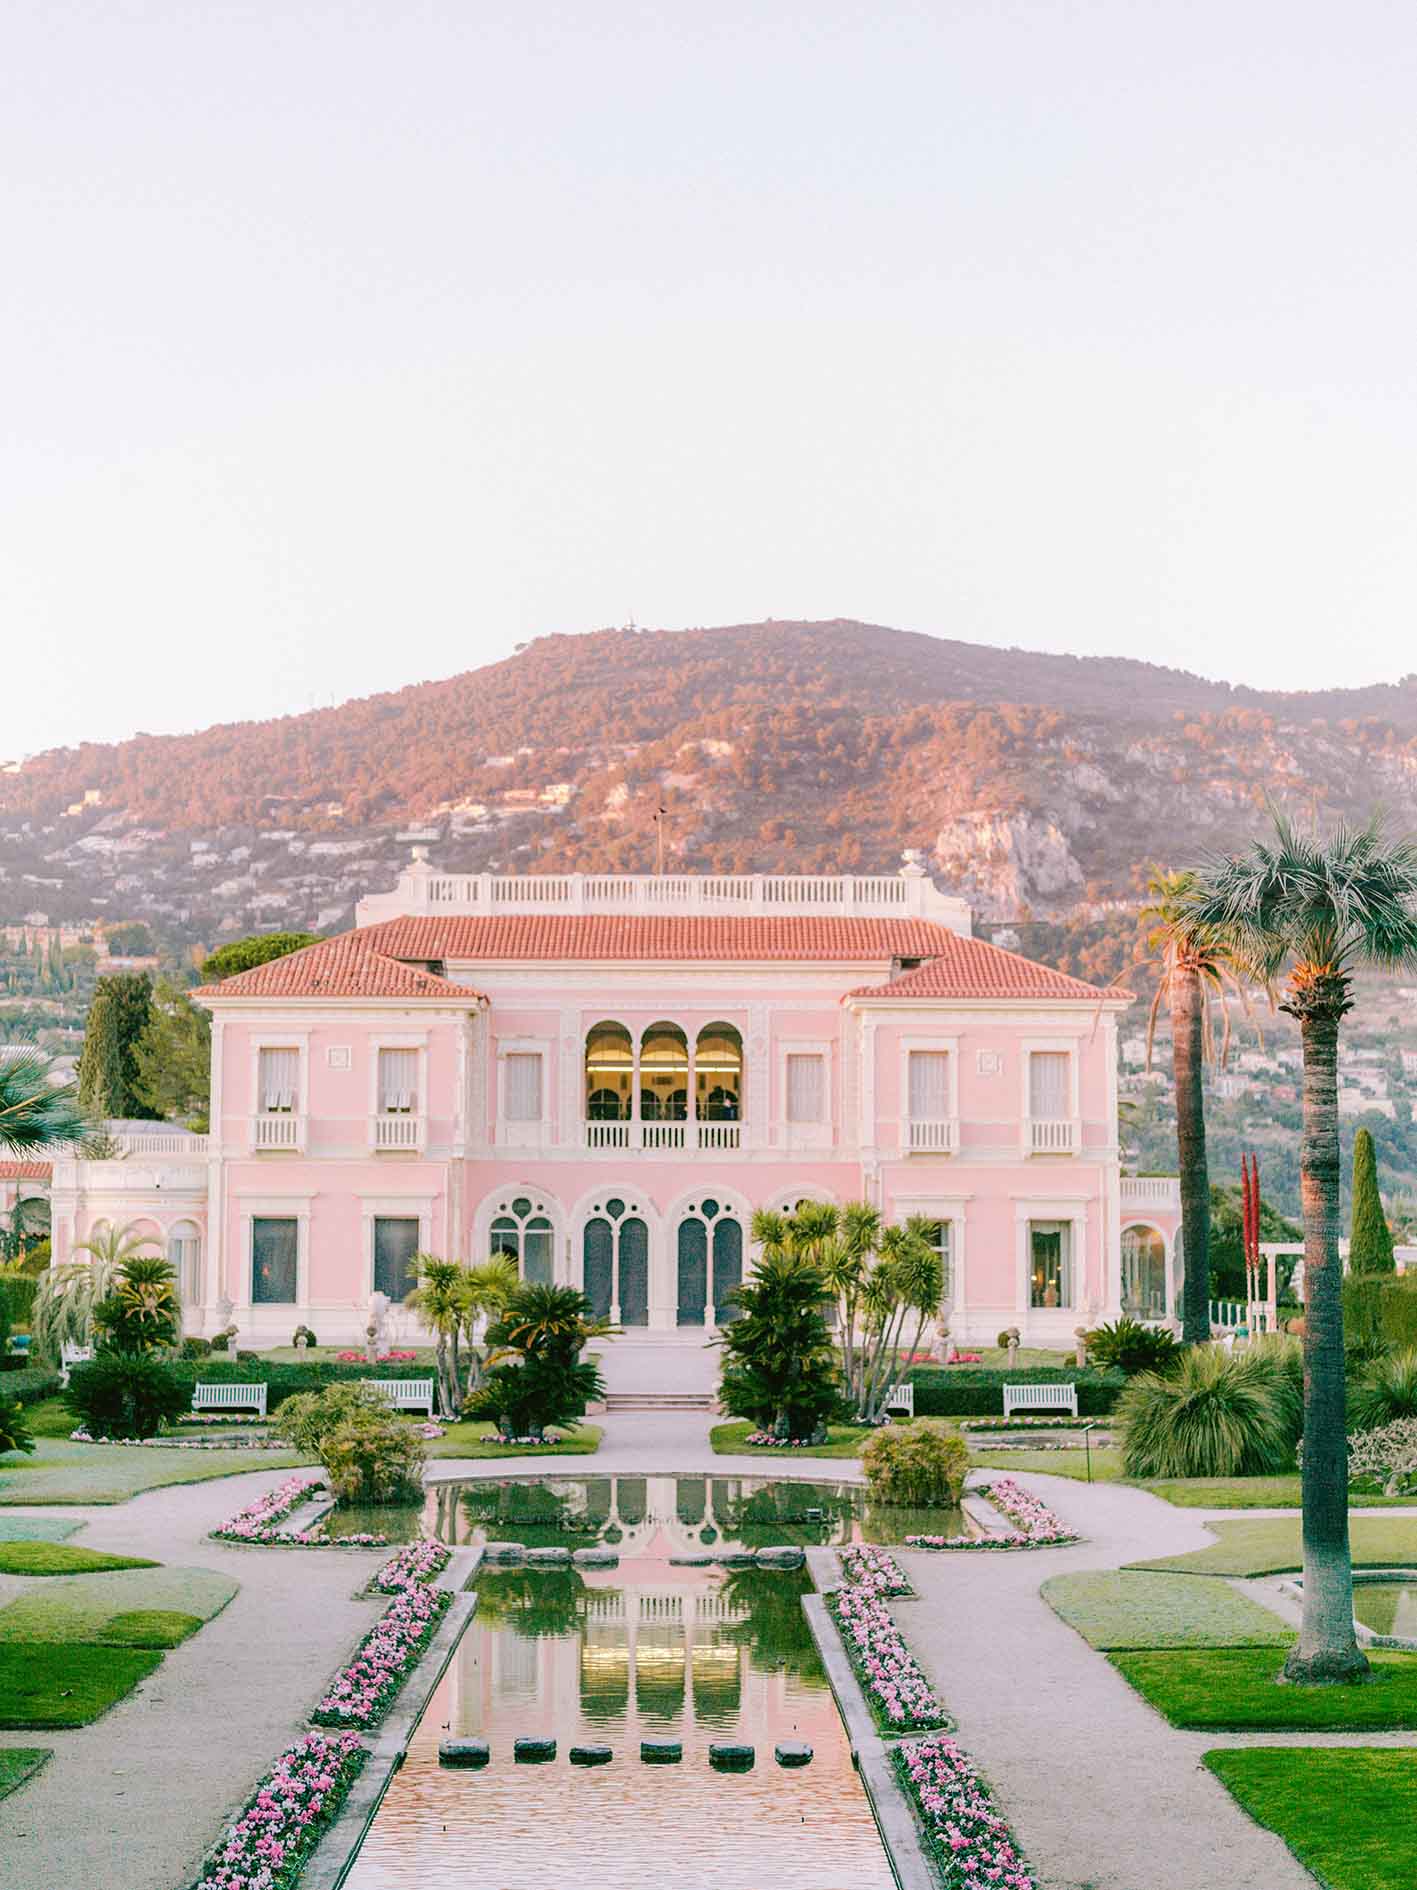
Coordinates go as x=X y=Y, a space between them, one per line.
x=126 y=1394
x=1216 y=1414
x=372 y=1456
x=1387 y=1391
x=306 y=1419
x=15 y=1433
x=915 y=1465
x=1131 y=1347
x=195 y=1348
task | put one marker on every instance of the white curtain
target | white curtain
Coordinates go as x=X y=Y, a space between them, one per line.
x=1048 y=1085
x=398 y=1082
x=929 y=1085
x=279 y=1080
x=523 y=1080
x=806 y=1088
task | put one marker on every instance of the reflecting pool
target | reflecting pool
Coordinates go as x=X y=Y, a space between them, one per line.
x=1387 y=1607
x=650 y=1649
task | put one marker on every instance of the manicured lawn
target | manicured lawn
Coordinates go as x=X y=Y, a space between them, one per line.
x=86 y=1607
x=64 y=1472
x=67 y=1684
x=1235 y=1689
x=1280 y=1492
x=51 y=1417
x=1270 y=1545
x=17 y=1763
x=1115 y=1609
x=1348 y=1813
x=37 y=1528
x=150 y=1627
x=843 y=1440
x=478 y=1439
x=61 y=1558
x=1106 y=1463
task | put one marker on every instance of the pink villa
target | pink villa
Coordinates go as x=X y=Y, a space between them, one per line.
x=605 y=1076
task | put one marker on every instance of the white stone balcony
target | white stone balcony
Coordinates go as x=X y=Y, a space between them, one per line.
x=1051 y=1135
x=1151 y=1191
x=911 y=893
x=933 y=1136
x=277 y=1130
x=398 y=1131
x=707 y=1137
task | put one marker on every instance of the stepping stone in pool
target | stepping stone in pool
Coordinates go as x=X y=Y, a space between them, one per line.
x=691 y=1561
x=731 y=1758
x=503 y=1552
x=788 y=1556
x=793 y=1752
x=661 y=1751
x=548 y=1558
x=591 y=1755
x=468 y=1752
x=533 y=1751
x=596 y=1558
x=736 y=1558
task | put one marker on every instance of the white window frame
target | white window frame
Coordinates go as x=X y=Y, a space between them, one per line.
x=293 y=1207
x=801 y=1135
x=1040 y=1208
x=299 y=1042
x=948 y=1046
x=392 y=1207
x=1067 y=1046
x=535 y=1134
x=417 y=1041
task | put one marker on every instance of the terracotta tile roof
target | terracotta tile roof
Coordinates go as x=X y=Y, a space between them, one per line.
x=972 y=968
x=610 y=936
x=26 y=1171
x=343 y=967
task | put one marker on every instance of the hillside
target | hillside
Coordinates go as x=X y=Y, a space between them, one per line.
x=1033 y=782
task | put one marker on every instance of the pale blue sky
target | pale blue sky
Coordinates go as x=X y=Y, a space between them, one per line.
x=346 y=346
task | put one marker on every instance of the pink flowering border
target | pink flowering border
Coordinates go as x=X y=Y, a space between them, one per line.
x=968 y=1837
x=764 y=1440
x=81 y=1436
x=271 y=1842
x=900 y=1697
x=362 y=1693
x=875 y=1570
x=422 y=1562
x=259 y=1523
x=1035 y=1525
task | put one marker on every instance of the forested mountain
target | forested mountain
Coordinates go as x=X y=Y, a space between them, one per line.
x=1034 y=783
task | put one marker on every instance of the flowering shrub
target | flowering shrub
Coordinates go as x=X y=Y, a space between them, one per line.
x=915 y=1464
x=900 y=1697
x=969 y=1840
x=1386 y=1456
x=1035 y=1525
x=362 y=1692
x=293 y=1806
x=430 y=1430
x=419 y=1562
x=875 y=1570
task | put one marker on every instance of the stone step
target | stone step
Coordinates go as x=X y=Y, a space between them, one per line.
x=659 y=1401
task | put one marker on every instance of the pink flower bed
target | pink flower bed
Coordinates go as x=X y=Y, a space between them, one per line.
x=874 y=1570
x=296 y=1802
x=419 y=1562
x=900 y=1696
x=1035 y=1525
x=966 y=1358
x=969 y=1840
x=81 y=1436
x=362 y=1692
x=260 y=1522
x=764 y=1440
x=382 y=1358
x=215 y=1417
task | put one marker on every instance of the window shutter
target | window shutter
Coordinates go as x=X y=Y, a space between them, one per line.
x=398 y=1081
x=279 y=1080
x=523 y=1081
x=1048 y=1085
x=806 y=1088
x=929 y=1085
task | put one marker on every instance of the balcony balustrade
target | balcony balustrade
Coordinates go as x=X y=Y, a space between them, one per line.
x=934 y=1136
x=398 y=1131
x=1151 y=1191
x=1051 y=1135
x=707 y=1137
x=285 y=1132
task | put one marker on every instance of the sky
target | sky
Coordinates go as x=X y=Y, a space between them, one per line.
x=346 y=346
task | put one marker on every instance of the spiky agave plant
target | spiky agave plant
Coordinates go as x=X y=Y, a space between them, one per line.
x=1215 y=1414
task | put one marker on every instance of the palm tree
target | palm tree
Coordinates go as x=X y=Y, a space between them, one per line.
x=36 y=1114
x=1318 y=909
x=438 y=1301
x=113 y=1247
x=1195 y=968
x=483 y=1292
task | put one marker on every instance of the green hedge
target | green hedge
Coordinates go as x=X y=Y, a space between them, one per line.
x=1379 y=1309
x=972 y=1391
x=31 y=1384
x=19 y=1297
x=285 y=1381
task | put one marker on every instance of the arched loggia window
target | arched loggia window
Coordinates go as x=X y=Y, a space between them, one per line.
x=718 y=1074
x=710 y=1263
x=615 y=1261
x=522 y=1230
x=609 y=1073
x=664 y=1074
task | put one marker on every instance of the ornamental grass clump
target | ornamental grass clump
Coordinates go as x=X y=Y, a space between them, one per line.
x=1216 y=1414
x=969 y=1840
x=1386 y=1392
x=914 y=1465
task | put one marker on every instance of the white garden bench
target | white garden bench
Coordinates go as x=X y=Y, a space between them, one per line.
x=72 y=1355
x=1040 y=1398
x=404 y=1394
x=901 y=1402
x=224 y=1397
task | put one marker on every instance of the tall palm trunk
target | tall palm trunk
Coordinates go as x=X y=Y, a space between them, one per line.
x=1188 y=1058
x=1327 y=1649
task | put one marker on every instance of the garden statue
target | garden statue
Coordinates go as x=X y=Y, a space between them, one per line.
x=944 y=1345
x=374 y=1331
x=1011 y=1335
x=1080 y=1332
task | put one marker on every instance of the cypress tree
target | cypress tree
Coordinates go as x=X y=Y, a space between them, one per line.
x=1370 y=1243
x=108 y=1071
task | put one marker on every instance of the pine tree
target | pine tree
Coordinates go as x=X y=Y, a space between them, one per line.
x=172 y=1059
x=1370 y=1245
x=108 y=1074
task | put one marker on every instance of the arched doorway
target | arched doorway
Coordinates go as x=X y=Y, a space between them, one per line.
x=710 y=1262
x=615 y=1261
x=1143 y=1273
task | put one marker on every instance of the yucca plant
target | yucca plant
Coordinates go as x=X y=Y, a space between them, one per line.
x=1215 y=1414
x=1387 y=1391
x=64 y=1303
